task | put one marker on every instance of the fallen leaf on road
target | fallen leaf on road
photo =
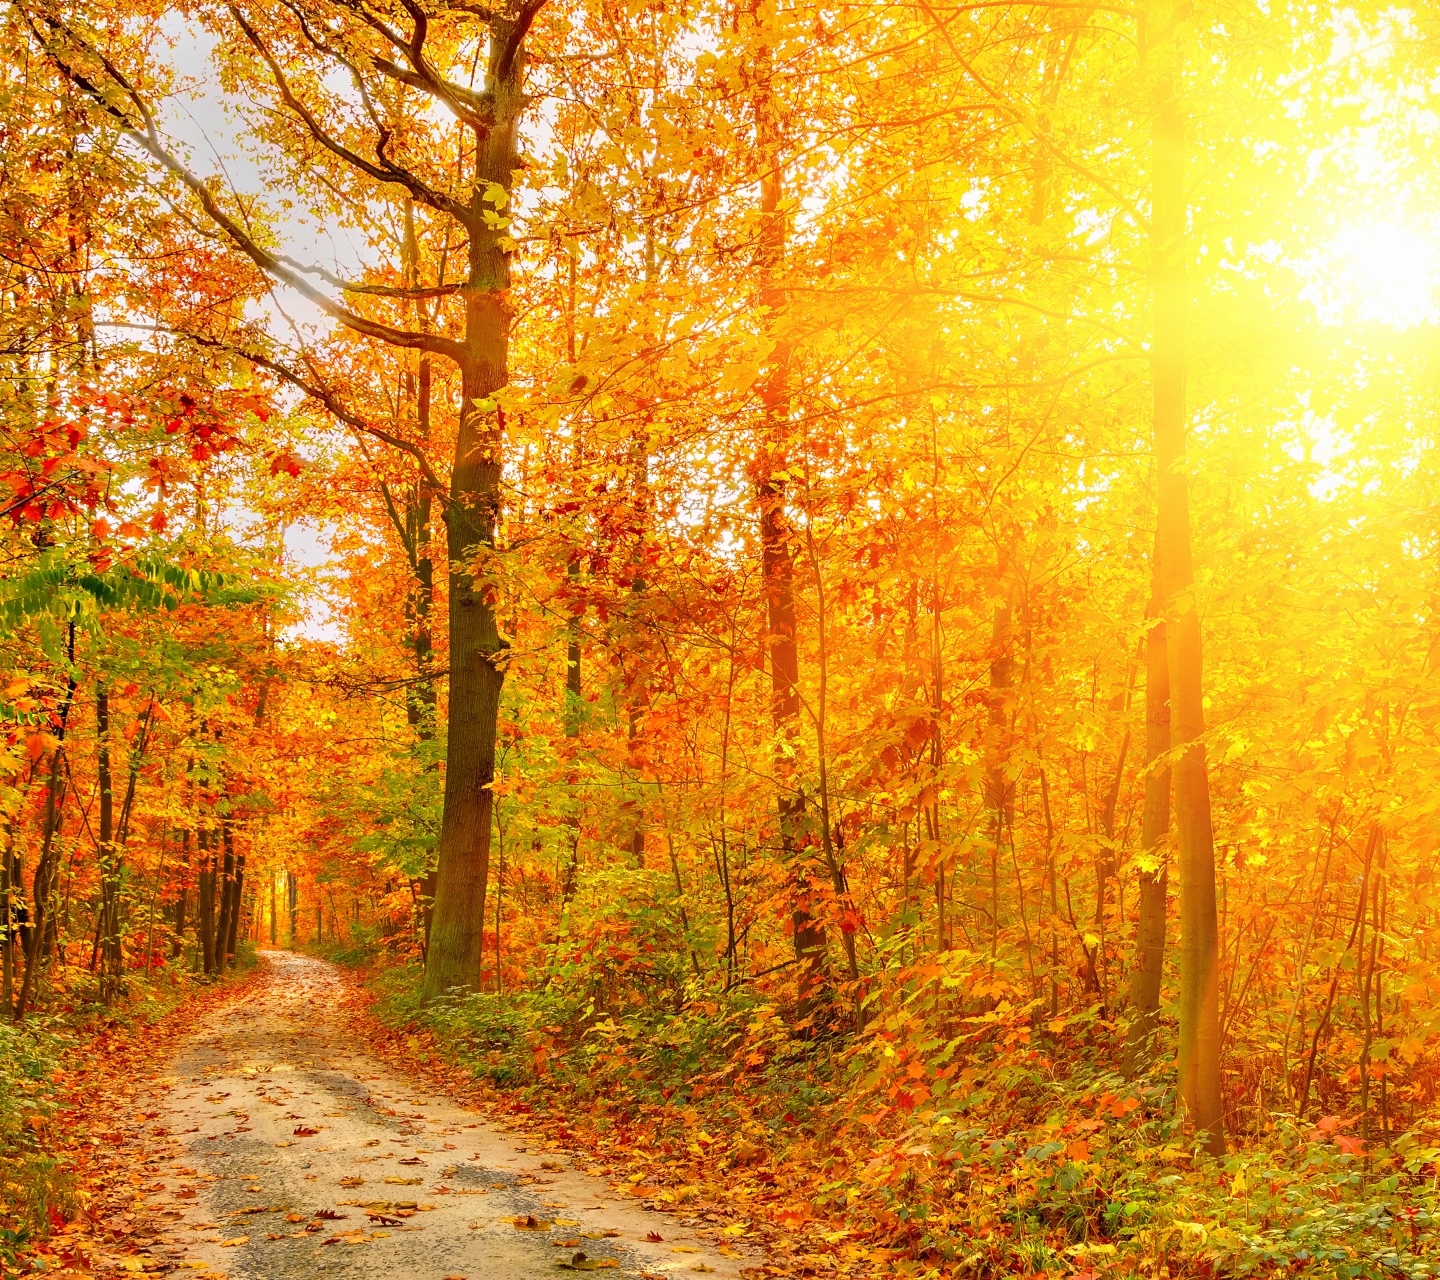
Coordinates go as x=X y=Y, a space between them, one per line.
x=226 y=1244
x=529 y=1222
x=304 y=1131
x=354 y=1182
x=684 y=1248
x=402 y=1182
x=654 y=1237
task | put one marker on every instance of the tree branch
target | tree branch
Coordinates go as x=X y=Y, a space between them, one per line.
x=387 y=170
x=147 y=135
x=332 y=402
x=505 y=64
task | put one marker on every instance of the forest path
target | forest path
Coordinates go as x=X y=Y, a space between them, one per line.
x=414 y=1186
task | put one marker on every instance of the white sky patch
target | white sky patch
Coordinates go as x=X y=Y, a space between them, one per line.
x=308 y=546
x=207 y=126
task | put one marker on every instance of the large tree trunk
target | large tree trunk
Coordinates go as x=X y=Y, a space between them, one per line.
x=1199 y=932
x=1155 y=827
x=457 y=930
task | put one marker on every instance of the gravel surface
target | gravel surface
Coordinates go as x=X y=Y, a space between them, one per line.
x=289 y=1152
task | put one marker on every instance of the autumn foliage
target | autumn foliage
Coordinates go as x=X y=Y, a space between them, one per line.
x=844 y=595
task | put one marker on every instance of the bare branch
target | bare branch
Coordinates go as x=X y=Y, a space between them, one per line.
x=378 y=290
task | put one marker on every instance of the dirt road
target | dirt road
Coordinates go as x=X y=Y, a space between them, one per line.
x=280 y=1149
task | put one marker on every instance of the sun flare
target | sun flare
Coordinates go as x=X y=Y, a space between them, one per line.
x=1383 y=273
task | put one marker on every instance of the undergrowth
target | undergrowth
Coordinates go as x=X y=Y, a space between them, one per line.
x=960 y=1134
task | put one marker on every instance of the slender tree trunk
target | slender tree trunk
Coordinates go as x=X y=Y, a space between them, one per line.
x=574 y=687
x=109 y=877
x=225 y=895
x=236 y=908
x=42 y=918
x=997 y=789
x=416 y=530
x=7 y=924
x=778 y=567
x=1155 y=828
x=178 y=944
x=43 y=884
x=834 y=859
x=206 y=923
x=1199 y=930
x=456 y=953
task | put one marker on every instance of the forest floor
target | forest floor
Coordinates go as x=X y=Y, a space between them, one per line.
x=269 y=1142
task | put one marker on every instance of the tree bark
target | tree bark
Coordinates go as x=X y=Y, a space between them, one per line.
x=107 y=926
x=1155 y=828
x=232 y=933
x=177 y=945
x=1199 y=931
x=997 y=789
x=225 y=895
x=205 y=925
x=777 y=563
x=41 y=921
x=456 y=951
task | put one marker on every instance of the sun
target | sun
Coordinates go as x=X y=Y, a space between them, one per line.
x=1381 y=273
